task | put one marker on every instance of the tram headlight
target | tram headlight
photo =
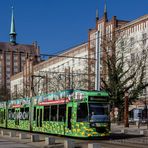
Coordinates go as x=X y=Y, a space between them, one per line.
x=92 y=124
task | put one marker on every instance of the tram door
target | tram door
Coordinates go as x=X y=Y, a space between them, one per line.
x=2 y=116
x=39 y=116
x=69 y=116
x=17 y=116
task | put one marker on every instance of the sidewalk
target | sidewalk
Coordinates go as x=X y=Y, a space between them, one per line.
x=132 y=129
x=131 y=126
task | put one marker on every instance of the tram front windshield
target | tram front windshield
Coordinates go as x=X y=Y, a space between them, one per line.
x=98 y=112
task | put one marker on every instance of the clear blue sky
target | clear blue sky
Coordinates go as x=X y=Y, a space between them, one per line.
x=60 y=24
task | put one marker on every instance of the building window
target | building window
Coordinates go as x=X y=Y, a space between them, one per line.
x=8 y=69
x=144 y=37
x=15 y=57
x=15 y=64
x=122 y=44
x=73 y=62
x=8 y=63
x=132 y=58
x=15 y=91
x=132 y=42
x=23 y=58
x=15 y=70
x=144 y=92
x=8 y=74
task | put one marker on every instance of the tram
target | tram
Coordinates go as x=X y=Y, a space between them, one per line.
x=76 y=113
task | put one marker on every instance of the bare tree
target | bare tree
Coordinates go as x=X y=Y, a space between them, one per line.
x=53 y=81
x=125 y=63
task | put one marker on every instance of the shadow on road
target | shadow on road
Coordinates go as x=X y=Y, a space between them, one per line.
x=123 y=136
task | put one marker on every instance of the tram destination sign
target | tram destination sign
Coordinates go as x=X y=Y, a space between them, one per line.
x=100 y=99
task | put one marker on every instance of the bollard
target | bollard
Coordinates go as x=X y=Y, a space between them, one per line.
x=2 y=133
x=122 y=131
x=141 y=132
x=68 y=144
x=94 y=145
x=12 y=134
x=126 y=131
x=22 y=136
x=146 y=133
x=49 y=140
x=138 y=124
x=35 y=138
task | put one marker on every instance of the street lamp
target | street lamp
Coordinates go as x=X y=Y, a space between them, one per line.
x=146 y=113
x=126 y=124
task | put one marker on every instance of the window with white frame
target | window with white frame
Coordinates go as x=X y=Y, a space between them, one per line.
x=132 y=58
x=144 y=38
x=132 y=41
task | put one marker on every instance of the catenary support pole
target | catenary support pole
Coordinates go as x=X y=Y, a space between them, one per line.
x=97 y=64
x=126 y=123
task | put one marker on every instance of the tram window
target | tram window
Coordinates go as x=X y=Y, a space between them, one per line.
x=1 y=117
x=26 y=113
x=21 y=113
x=34 y=113
x=22 y=110
x=4 y=113
x=54 y=113
x=46 y=113
x=62 y=111
x=13 y=110
x=11 y=114
x=82 y=112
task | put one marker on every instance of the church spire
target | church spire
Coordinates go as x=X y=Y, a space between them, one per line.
x=97 y=15
x=12 y=28
x=105 y=10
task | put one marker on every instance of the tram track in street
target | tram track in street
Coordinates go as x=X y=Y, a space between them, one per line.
x=115 y=141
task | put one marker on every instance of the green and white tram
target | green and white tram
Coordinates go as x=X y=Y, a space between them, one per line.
x=76 y=113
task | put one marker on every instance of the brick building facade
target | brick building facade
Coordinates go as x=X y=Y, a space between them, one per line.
x=12 y=59
x=77 y=64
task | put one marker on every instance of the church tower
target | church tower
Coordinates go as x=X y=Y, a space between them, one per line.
x=12 y=58
x=12 y=29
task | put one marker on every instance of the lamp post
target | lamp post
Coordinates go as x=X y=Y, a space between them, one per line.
x=146 y=113
x=126 y=123
x=97 y=64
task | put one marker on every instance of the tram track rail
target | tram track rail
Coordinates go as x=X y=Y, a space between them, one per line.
x=122 y=145
x=115 y=141
x=115 y=144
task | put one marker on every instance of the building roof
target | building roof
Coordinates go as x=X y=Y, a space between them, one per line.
x=145 y=17
x=20 y=47
x=12 y=28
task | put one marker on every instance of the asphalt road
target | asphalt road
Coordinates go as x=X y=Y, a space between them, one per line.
x=7 y=143
x=131 y=139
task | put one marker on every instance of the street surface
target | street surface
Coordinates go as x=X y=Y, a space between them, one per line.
x=132 y=138
x=7 y=143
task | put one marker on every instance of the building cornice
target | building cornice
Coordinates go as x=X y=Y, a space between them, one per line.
x=131 y=23
x=66 y=53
